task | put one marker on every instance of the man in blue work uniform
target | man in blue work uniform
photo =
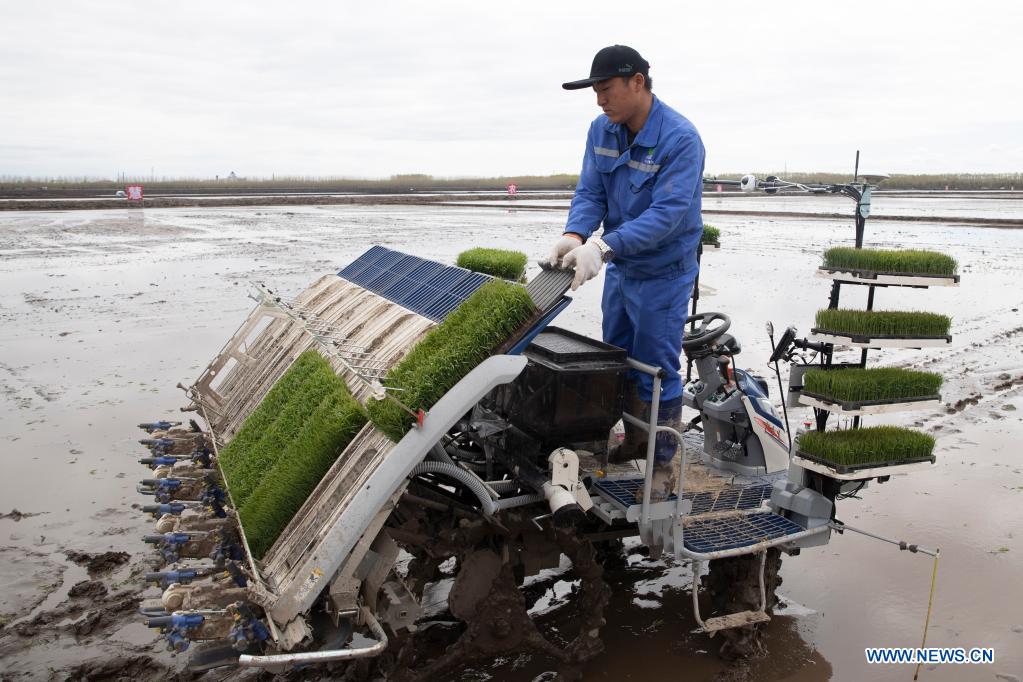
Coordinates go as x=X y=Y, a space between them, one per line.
x=642 y=177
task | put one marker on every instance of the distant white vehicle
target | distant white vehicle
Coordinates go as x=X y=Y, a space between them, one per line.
x=120 y=194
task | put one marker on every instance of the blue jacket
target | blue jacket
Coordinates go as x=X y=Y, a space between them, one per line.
x=648 y=195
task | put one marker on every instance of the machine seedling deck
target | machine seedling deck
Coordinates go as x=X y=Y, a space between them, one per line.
x=862 y=407
x=861 y=472
x=887 y=279
x=623 y=491
x=733 y=531
x=861 y=341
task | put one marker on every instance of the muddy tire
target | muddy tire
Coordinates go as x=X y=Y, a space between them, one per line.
x=490 y=609
x=734 y=585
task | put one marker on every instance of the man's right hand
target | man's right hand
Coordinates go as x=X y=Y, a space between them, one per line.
x=568 y=241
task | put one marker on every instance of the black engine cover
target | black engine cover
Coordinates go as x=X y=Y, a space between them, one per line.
x=571 y=391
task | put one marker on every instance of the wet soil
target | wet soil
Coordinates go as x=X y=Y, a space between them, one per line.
x=100 y=563
x=15 y=515
x=104 y=311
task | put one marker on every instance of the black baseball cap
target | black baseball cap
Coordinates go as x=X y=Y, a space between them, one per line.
x=613 y=61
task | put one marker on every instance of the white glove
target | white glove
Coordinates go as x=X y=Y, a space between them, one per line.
x=587 y=260
x=567 y=242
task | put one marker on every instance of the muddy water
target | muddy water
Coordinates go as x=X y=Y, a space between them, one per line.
x=104 y=312
x=991 y=206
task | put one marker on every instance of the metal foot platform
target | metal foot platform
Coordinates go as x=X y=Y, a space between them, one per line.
x=718 y=534
x=622 y=493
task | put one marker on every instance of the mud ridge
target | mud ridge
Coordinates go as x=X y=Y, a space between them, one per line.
x=15 y=515
x=137 y=667
x=96 y=564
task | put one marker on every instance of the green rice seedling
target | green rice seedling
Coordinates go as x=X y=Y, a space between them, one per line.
x=711 y=235
x=266 y=413
x=875 y=384
x=263 y=454
x=909 y=262
x=510 y=265
x=877 y=323
x=453 y=348
x=872 y=445
x=303 y=462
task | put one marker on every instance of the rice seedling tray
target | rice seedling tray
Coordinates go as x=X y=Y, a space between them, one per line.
x=855 y=384
x=859 y=472
x=878 y=341
x=906 y=267
x=887 y=279
x=711 y=238
x=855 y=408
x=510 y=265
x=881 y=328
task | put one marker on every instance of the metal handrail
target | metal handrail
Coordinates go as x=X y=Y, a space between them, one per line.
x=652 y=428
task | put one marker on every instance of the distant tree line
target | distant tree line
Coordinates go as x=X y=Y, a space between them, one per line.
x=396 y=183
x=13 y=186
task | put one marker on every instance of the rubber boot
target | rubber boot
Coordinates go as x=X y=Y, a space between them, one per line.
x=666 y=453
x=664 y=483
x=634 y=444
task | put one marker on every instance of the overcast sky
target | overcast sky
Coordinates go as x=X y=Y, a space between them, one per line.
x=370 y=89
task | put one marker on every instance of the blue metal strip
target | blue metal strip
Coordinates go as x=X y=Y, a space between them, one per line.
x=388 y=259
x=426 y=270
x=354 y=268
x=425 y=287
x=400 y=289
x=439 y=309
x=419 y=299
x=360 y=263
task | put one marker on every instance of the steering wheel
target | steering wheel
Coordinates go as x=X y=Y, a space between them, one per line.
x=705 y=333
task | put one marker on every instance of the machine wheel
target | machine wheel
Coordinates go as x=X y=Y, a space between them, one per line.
x=733 y=585
x=489 y=609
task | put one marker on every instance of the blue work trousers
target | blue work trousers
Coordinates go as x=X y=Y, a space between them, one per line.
x=647 y=318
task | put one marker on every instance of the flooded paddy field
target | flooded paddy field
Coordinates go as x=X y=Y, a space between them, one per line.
x=104 y=311
x=989 y=206
x=1003 y=209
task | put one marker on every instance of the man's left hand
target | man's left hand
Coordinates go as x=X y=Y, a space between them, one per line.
x=586 y=260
